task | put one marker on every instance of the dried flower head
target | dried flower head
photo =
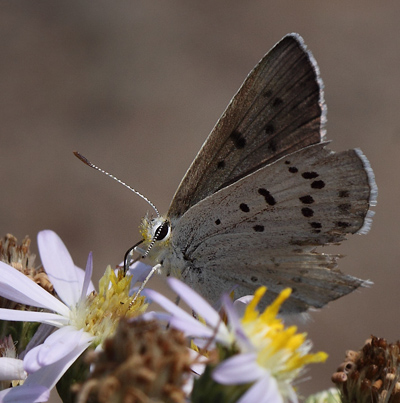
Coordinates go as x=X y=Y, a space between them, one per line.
x=20 y=257
x=372 y=374
x=141 y=363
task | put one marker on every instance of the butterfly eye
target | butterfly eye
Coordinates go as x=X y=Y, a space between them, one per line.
x=162 y=231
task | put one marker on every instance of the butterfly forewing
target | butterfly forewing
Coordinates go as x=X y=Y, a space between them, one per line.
x=279 y=109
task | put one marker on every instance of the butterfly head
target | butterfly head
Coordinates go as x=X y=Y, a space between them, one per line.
x=156 y=233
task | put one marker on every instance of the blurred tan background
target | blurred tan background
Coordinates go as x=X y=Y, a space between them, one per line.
x=137 y=86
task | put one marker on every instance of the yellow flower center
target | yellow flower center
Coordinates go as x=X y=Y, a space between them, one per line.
x=282 y=351
x=99 y=313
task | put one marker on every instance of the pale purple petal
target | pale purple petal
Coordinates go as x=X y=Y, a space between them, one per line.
x=59 y=267
x=148 y=316
x=81 y=275
x=17 y=287
x=88 y=275
x=30 y=316
x=193 y=328
x=196 y=302
x=21 y=394
x=241 y=368
x=58 y=345
x=180 y=319
x=265 y=390
x=139 y=271
x=241 y=303
x=242 y=340
x=11 y=369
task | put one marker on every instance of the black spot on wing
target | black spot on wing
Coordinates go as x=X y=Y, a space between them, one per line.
x=309 y=175
x=307 y=212
x=221 y=164
x=272 y=145
x=277 y=102
x=267 y=94
x=267 y=196
x=293 y=170
x=218 y=221
x=342 y=224
x=244 y=207
x=306 y=199
x=238 y=140
x=318 y=184
x=258 y=228
x=316 y=227
x=344 y=193
x=269 y=129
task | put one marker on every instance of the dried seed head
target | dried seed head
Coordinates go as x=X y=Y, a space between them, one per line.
x=141 y=363
x=19 y=257
x=371 y=375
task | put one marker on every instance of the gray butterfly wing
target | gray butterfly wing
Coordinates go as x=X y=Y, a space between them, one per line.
x=279 y=109
x=263 y=229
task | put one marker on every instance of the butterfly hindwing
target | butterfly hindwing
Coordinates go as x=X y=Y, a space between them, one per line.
x=281 y=213
x=279 y=109
x=313 y=278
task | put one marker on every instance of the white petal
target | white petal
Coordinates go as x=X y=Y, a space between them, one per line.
x=59 y=267
x=56 y=347
x=50 y=374
x=29 y=394
x=199 y=362
x=17 y=287
x=265 y=390
x=43 y=380
x=11 y=369
x=29 y=316
x=241 y=368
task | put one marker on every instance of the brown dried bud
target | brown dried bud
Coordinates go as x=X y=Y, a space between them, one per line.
x=141 y=363
x=339 y=377
x=371 y=375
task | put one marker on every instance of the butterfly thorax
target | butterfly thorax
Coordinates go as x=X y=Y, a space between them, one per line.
x=157 y=236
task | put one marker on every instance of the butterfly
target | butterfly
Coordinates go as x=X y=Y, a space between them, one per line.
x=265 y=191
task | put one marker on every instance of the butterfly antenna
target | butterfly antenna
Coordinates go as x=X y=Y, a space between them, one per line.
x=88 y=163
x=154 y=240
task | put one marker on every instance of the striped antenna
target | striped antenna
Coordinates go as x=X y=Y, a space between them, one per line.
x=88 y=163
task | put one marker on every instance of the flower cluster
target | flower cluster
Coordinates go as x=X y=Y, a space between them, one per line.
x=257 y=353
x=78 y=317
x=170 y=356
